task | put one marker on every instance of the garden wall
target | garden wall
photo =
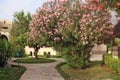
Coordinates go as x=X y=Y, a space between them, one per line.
x=41 y=50
x=99 y=49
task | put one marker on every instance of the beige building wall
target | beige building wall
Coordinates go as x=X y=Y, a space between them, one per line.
x=5 y=27
x=96 y=49
x=41 y=50
x=102 y=48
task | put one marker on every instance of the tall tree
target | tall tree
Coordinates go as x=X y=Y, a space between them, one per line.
x=20 y=29
x=71 y=27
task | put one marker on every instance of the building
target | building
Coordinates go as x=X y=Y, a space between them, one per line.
x=5 y=27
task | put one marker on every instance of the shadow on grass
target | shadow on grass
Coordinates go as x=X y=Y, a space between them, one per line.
x=11 y=73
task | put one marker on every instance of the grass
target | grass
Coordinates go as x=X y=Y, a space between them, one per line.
x=52 y=56
x=58 y=67
x=95 y=72
x=56 y=56
x=11 y=73
x=33 y=60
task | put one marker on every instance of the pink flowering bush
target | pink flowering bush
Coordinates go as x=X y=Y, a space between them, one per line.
x=71 y=27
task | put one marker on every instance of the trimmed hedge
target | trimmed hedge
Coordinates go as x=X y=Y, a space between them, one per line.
x=64 y=75
x=113 y=63
x=33 y=60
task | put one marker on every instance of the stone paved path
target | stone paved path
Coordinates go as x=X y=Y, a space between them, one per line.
x=42 y=71
x=47 y=71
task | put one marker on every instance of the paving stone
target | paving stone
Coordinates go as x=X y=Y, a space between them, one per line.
x=41 y=71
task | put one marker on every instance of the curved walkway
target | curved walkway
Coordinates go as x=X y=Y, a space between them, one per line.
x=42 y=71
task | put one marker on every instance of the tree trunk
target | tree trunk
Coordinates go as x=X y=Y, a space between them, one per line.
x=36 y=55
x=118 y=52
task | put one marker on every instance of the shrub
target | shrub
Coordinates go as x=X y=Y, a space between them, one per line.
x=73 y=60
x=32 y=60
x=19 y=49
x=47 y=55
x=63 y=74
x=5 y=52
x=113 y=63
x=12 y=73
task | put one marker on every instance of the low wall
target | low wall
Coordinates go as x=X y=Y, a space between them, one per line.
x=102 y=48
x=41 y=50
x=96 y=49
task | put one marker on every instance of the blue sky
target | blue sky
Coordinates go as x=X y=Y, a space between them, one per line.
x=9 y=7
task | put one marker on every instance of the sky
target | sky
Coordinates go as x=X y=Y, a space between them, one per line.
x=9 y=7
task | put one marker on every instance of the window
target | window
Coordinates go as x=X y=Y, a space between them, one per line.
x=4 y=28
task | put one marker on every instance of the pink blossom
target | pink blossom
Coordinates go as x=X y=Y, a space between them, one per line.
x=56 y=30
x=56 y=39
x=87 y=23
x=75 y=18
x=88 y=15
x=118 y=4
x=90 y=0
x=97 y=0
x=50 y=33
x=84 y=20
x=100 y=7
x=85 y=6
x=83 y=16
x=90 y=20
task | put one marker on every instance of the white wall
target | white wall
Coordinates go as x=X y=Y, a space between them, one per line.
x=114 y=18
x=96 y=48
x=47 y=49
x=28 y=50
x=41 y=50
x=99 y=48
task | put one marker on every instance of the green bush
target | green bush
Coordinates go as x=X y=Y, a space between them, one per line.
x=5 y=52
x=12 y=73
x=74 y=61
x=47 y=55
x=62 y=73
x=19 y=49
x=73 y=57
x=56 y=56
x=33 y=60
x=113 y=63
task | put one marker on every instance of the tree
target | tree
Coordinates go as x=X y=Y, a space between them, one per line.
x=117 y=35
x=114 y=5
x=36 y=48
x=19 y=30
x=5 y=52
x=71 y=27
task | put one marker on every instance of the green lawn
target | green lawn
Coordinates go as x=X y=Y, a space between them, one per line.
x=11 y=73
x=52 y=56
x=33 y=60
x=95 y=72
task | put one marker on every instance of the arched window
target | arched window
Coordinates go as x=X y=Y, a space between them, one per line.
x=4 y=37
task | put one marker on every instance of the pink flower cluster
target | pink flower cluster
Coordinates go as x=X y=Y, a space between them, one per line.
x=85 y=22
